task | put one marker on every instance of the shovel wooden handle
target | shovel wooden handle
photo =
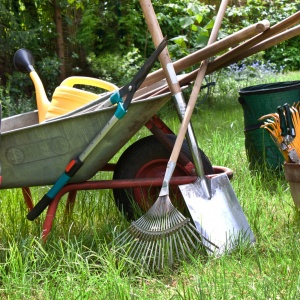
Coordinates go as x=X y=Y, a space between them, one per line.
x=197 y=85
x=157 y=36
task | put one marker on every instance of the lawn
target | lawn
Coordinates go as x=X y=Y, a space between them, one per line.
x=78 y=263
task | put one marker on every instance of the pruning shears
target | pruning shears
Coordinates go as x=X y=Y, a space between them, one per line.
x=286 y=125
x=116 y=98
x=129 y=89
x=288 y=132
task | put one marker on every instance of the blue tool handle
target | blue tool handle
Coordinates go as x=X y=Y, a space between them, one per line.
x=70 y=171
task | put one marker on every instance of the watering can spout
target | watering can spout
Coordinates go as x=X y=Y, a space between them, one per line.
x=41 y=98
x=23 y=62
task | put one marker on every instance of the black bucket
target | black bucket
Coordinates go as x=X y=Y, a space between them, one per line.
x=258 y=101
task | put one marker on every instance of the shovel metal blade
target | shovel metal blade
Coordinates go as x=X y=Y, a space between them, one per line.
x=220 y=218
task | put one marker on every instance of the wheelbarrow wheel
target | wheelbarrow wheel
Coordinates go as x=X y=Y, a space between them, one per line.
x=148 y=158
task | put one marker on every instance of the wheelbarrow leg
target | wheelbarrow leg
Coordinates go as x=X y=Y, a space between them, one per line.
x=70 y=202
x=27 y=197
x=51 y=212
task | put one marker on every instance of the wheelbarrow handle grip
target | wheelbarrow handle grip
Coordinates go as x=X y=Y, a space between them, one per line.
x=39 y=207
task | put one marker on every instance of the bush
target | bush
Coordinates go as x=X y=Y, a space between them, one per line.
x=284 y=55
x=115 y=67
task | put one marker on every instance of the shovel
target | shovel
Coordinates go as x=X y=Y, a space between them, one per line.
x=219 y=216
x=205 y=196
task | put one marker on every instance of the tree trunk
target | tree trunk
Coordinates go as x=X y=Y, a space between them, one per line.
x=60 y=39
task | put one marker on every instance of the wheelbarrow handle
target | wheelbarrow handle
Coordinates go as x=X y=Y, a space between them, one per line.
x=70 y=171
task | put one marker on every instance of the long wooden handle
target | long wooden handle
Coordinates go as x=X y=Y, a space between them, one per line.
x=157 y=36
x=210 y=50
x=224 y=61
x=230 y=41
x=231 y=56
x=197 y=85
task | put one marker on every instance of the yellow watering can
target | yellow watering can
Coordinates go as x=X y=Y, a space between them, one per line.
x=65 y=97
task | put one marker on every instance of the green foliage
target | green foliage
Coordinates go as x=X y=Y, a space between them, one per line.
x=284 y=55
x=48 y=70
x=196 y=26
x=17 y=96
x=115 y=67
x=102 y=37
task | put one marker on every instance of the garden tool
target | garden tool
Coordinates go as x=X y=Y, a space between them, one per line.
x=163 y=225
x=172 y=81
x=122 y=106
x=281 y=127
x=219 y=217
x=163 y=235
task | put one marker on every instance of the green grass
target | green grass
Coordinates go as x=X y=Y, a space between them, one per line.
x=77 y=263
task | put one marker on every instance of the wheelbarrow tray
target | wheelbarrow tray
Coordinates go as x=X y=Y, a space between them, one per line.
x=35 y=154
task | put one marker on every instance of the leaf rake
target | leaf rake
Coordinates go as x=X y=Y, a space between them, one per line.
x=161 y=237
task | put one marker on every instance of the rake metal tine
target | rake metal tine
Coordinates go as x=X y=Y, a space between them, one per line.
x=170 y=249
x=176 y=247
x=151 y=253
x=155 y=251
x=148 y=251
x=180 y=244
x=146 y=255
x=184 y=243
x=161 y=252
x=126 y=239
x=189 y=239
x=135 y=248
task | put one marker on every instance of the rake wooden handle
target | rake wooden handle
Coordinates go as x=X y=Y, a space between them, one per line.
x=210 y=50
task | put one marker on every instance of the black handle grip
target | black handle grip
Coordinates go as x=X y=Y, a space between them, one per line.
x=288 y=114
x=39 y=208
x=282 y=121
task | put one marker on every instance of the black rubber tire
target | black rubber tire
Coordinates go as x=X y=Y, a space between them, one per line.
x=134 y=158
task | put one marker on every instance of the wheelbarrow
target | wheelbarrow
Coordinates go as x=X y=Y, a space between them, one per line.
x=35 y=150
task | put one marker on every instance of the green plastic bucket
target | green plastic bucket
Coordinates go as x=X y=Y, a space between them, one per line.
x=258 y=101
